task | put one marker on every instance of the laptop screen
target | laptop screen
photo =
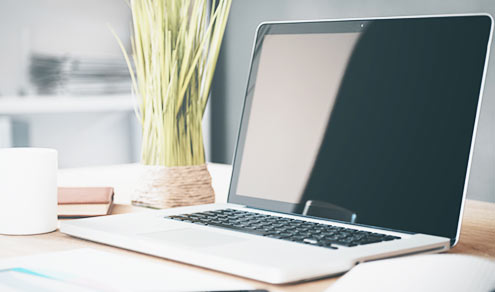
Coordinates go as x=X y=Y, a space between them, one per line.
x=369 y=122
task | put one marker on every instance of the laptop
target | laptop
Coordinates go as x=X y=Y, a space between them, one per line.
x=355 y=145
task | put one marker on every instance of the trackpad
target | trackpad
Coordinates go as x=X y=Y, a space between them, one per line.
x=192 y=237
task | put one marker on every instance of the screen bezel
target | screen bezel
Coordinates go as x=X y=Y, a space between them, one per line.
x=329 y=26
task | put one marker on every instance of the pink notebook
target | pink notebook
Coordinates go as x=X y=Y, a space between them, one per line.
x=84 y=201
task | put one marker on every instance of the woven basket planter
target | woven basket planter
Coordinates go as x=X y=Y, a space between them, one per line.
x=166 y=187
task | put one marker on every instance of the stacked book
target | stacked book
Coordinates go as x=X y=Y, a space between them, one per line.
x=72 y=75
x=76 y=202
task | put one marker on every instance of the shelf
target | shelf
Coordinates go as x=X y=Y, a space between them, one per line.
x=65 y=104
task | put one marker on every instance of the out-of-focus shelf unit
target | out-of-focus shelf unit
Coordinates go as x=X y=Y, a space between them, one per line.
x=63 y=120
x=27 y=105
x=64 y=83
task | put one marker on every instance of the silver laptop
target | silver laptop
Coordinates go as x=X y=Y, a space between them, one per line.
x=355 y=144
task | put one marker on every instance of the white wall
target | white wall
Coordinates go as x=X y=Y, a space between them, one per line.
x=84 y=139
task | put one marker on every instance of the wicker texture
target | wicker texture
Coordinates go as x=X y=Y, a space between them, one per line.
x=166 y=187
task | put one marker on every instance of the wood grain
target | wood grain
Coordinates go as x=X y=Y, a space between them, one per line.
x=477 y=230
x=477 y=238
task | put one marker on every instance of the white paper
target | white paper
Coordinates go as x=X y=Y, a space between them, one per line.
x=441 y=272
x=93 y=270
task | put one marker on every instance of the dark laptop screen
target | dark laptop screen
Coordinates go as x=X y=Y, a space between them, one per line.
x=368 y=122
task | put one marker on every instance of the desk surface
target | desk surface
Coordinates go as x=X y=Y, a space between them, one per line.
x=477 y=233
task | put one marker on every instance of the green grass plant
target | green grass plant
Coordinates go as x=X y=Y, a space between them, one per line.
x=175 y=46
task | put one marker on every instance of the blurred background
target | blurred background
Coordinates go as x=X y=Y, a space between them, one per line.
x=64 y=84
x=63 y=81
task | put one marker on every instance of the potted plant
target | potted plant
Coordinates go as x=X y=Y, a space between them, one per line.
x=175 y=50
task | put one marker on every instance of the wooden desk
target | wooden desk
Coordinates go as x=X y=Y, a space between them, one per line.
x=477 y=236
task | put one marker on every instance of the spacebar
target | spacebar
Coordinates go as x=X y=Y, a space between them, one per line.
x=245 y=230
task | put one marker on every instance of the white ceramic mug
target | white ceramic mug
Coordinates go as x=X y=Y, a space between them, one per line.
x=28 y=190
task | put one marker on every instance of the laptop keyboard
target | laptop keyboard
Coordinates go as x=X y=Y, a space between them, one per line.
x=284 y=228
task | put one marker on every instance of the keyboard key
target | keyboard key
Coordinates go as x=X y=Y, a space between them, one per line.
x=390 y=237
x=310 y=240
